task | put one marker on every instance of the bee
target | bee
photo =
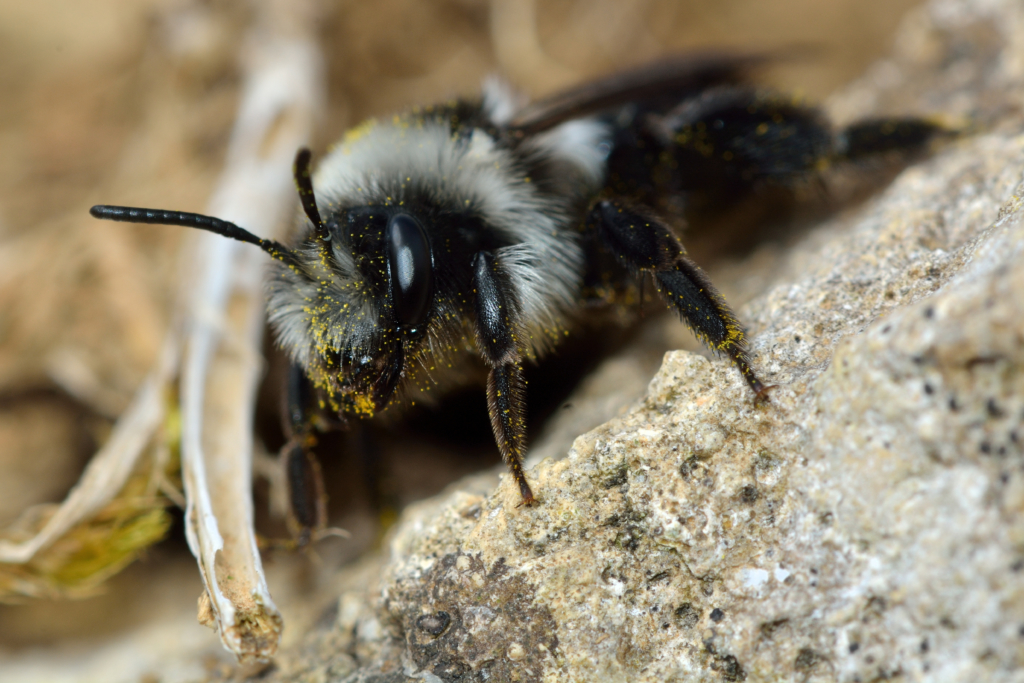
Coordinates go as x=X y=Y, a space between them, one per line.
x=485 y=229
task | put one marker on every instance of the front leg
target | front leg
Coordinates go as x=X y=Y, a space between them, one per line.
x=307 y=501
x=646 y=244
x=497 y=330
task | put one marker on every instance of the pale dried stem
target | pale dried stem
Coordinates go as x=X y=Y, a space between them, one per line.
x=222 y=364
x=110 y=468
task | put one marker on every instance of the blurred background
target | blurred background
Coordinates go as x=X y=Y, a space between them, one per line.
x=132 y=102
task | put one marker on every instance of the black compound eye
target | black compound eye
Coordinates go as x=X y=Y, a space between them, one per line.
x=412 y=270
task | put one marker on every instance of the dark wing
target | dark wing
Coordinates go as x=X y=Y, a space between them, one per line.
x=661 y=84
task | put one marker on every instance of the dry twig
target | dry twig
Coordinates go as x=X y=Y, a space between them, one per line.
x=218 y=346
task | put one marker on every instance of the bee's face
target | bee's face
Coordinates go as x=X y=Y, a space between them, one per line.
x=381 y=282
x=366 y=301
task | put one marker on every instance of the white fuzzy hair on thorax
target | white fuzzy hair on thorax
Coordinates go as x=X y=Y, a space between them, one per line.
x=383 y=163
x=377 y=163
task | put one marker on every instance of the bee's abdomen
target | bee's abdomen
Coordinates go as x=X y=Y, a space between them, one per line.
x=722 y=143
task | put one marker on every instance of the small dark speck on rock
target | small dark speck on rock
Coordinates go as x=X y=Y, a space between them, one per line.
x=854 y=647
x=717 y=615
x=1017 y=566
x=731 y=669
x=618 y=479
x=806 y=658
x=770 y=628
x=993 y=409
x=928 y=389
x=924 y=645
x=689 y=467
x=985 y=447
x=434 y=624
x=748 y=494
x=658 y=577
x=929 y=312
x=687 y=615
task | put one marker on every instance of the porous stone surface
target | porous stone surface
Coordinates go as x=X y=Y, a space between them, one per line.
x=867 y=524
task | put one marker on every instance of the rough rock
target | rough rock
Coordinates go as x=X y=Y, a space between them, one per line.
x=867 y=524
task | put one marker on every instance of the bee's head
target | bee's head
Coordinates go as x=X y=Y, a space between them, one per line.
x=355 y=298
x=350 y=303
x=355 y=302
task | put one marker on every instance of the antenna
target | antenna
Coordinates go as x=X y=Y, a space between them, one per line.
x=128 y=214
x=304 y=184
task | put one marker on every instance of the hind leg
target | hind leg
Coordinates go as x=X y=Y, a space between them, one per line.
x=646 y=244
